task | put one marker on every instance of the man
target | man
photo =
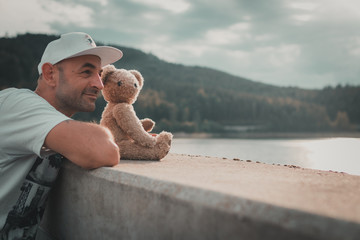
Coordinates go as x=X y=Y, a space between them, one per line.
x=37 y=132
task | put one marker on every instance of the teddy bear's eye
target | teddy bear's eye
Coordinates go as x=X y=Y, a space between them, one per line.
x=119 y=83
x=135 y=85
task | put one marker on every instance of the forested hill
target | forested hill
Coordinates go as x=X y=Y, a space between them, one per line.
x=198 y=99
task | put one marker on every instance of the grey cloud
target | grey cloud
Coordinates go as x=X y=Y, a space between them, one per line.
x=323 y=44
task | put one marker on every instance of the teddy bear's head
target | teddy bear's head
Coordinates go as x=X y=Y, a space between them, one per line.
x=121 y=85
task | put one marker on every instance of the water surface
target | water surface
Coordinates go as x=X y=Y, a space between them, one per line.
x=336 y=154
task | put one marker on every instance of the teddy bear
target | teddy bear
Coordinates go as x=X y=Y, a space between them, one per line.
x=132 y=135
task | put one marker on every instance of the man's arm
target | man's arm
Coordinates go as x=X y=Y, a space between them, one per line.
x=85 y=144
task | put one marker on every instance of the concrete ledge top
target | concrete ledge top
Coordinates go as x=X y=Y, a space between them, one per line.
x=328 y=194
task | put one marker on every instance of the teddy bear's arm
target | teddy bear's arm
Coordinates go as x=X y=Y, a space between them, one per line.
x=128 y=121
x=147 y=124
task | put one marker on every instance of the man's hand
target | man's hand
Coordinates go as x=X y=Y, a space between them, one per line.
x=85 y=144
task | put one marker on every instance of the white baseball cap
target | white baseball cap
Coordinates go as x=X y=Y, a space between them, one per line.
x=76 y=44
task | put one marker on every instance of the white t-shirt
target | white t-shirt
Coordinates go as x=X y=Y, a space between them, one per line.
x=27 y=170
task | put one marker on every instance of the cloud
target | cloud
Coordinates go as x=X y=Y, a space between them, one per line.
x=174 y=6
x=308 y=43
x=303 y=5
x=233 y=34
x=103 y=3
x=37 y=16
x=353 y=46
x=279 y=56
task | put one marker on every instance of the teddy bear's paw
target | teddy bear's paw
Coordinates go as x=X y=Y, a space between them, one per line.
x=164 y=137
x=147 y=124
x=162 y=149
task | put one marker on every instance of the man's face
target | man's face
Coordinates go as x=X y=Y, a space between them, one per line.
x=79 y=84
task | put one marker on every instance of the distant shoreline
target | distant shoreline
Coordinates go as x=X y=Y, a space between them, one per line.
x=270 y=135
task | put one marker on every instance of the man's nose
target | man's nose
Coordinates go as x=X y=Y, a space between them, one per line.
x=97 y=82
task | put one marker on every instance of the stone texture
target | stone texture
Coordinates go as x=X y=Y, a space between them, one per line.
x=195 y=197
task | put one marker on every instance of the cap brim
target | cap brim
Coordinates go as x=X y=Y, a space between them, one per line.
x=107 y=54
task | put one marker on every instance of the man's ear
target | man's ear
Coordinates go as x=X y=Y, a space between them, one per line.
x=48 y=74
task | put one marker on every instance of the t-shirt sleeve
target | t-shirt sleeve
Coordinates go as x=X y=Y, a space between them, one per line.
x=25 y=121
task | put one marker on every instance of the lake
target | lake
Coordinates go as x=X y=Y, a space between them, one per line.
x=336 y=154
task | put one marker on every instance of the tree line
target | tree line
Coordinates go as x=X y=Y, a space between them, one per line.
x=198 y=99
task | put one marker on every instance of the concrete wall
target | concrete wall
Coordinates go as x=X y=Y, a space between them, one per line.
x=188 y=197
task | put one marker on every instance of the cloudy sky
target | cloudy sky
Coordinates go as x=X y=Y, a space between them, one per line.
x=304 y=43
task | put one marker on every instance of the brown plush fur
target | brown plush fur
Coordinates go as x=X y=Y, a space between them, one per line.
x=121 y=88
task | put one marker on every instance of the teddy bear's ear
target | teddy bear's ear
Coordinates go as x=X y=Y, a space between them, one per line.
x=138 y=76
x=107 y=70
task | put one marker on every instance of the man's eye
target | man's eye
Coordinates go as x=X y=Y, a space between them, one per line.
x=86 y=73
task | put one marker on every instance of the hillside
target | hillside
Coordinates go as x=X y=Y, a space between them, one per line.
x=198 y=99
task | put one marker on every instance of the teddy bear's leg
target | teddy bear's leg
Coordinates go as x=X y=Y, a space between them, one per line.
x=129 y=150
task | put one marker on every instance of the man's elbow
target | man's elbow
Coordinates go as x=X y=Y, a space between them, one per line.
x=113 y=156
x=109 y=157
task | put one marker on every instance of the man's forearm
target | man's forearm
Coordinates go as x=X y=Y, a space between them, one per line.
x=88 y=145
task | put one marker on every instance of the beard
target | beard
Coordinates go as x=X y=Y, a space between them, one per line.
x=78 y=101
x=72 y=99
